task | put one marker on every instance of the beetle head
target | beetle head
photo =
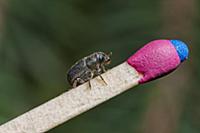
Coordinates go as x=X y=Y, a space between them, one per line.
x=104 y=58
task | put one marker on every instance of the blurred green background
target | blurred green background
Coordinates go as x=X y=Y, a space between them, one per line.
x=41 y=39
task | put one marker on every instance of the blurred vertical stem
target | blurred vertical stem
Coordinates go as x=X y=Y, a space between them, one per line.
x=165 y=106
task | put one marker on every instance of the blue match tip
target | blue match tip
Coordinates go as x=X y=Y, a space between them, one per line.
x=181 y=48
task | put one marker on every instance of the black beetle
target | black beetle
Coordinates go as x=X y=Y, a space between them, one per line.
x=88 y=68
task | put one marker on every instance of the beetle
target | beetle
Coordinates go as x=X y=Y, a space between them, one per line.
x=87 y=68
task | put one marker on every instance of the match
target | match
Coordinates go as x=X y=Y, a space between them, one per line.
x=152 y=61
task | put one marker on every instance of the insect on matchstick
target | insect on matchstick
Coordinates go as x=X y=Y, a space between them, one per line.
x=87 y=68
x=154 y=60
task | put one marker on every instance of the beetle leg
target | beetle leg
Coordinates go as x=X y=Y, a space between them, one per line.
x=103 y=79
x=98 y=69
x=89 y=83
x=74 y=83
x=90 y=76
x=98 y=72
x=103 y=68
x=77 y=82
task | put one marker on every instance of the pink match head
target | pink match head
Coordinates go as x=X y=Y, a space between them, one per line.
x=158 y=58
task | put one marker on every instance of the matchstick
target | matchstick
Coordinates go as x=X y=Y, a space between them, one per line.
x=154 y=60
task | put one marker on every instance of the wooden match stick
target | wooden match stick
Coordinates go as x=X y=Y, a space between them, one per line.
x=155 y=59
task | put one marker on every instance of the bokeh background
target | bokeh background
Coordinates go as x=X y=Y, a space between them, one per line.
x=41 y=39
